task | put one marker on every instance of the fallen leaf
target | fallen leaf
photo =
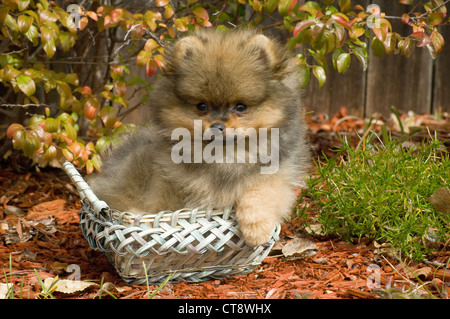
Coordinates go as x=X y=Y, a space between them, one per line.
x=441 y=200
x=421 y=273
x=13 y=210
x=68 y=286
x=4 y=289
x=315 y=229
x=45 y=209
x=24 y=230
x=299 y=248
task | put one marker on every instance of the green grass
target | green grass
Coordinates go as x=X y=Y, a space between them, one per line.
x=379 y=190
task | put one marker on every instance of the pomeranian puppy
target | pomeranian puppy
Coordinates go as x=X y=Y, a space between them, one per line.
x=227 y=106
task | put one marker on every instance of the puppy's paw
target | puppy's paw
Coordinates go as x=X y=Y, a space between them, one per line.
x=257 y=233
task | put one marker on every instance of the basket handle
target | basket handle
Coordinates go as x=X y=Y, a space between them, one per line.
x=83 y=188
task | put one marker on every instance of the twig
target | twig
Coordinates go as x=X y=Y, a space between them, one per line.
x=24 y=105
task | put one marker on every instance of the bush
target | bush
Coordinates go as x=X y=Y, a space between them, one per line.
x=73 y=74
x=381 y=190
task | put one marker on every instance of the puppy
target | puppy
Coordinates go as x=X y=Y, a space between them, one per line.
x=236 y=90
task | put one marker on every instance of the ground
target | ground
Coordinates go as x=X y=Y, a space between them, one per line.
x=31 y=251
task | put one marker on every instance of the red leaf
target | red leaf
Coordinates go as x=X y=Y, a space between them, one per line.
x=12 y=129
x=86 y=90
x=151 y=68
x=405 y=18
x=161 y=3
x=201 y=13
x=121 y=88
x=341 y=20
x=91 y=108
x=301 y=26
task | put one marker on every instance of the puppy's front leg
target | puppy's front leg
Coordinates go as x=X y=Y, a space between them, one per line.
x=261 y=206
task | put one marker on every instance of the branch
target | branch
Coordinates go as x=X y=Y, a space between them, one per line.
x=26 y=105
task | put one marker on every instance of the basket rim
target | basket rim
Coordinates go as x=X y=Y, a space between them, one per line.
x=127 y=238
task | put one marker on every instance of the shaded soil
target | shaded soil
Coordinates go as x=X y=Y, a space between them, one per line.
x=338 y=270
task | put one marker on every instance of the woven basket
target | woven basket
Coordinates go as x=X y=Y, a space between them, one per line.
x=189 y=245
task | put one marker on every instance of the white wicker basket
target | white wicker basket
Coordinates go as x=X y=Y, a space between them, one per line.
x=190 y=245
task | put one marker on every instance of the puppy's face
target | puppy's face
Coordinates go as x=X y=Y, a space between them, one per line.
x=227 y=80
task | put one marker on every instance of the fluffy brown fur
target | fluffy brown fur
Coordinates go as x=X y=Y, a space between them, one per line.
x=221 y=70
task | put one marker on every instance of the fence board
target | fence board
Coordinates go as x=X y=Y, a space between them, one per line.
x=393 y=80
x=441 y=92
x=346 y=89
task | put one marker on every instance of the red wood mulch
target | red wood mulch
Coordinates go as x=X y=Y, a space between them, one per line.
x=338 y=270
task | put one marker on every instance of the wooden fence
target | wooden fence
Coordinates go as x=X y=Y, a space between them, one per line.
x=417 y=83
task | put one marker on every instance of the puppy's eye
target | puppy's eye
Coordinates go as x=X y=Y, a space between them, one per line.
x=239 y=108
x=202 y=107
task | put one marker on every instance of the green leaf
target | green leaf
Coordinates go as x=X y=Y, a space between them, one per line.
x=345 y=5
x=49 y=32
x=11 y=23
x=70 y=131
x=24 y=23
x=320 y=75
x=68 y=154
x=304 y=74
x=47 y=16
x=439 y=6
x=108 y=114
x=343 y=62
x=270 y=5
x=52 y=125
x=32 y=35
x=361 y=54
x=335 y=56
x=436 y=18
x=71 y=78
x=18 y=140
x=378 y=48
x=32 y=144
x=438 y=41
x=150 y=18
x=102 y=144
x=23 y=4
x=26 y=84
x=311 y=7
x=143 y=57
x=285 y=7
x=67 y=40
x=50 y=48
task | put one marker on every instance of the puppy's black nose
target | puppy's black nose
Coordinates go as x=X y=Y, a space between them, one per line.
x=219 y=126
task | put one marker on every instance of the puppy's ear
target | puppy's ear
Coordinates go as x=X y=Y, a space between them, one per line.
x=183 y=50
x=265 y=50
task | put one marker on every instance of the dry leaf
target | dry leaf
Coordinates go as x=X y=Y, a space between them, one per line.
x=441 y=200
x=45 y=209
x=421 y=273
x=4 y=288
x=24 y=230
x=68 y=286
x=315 y=229
x=298 y=248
